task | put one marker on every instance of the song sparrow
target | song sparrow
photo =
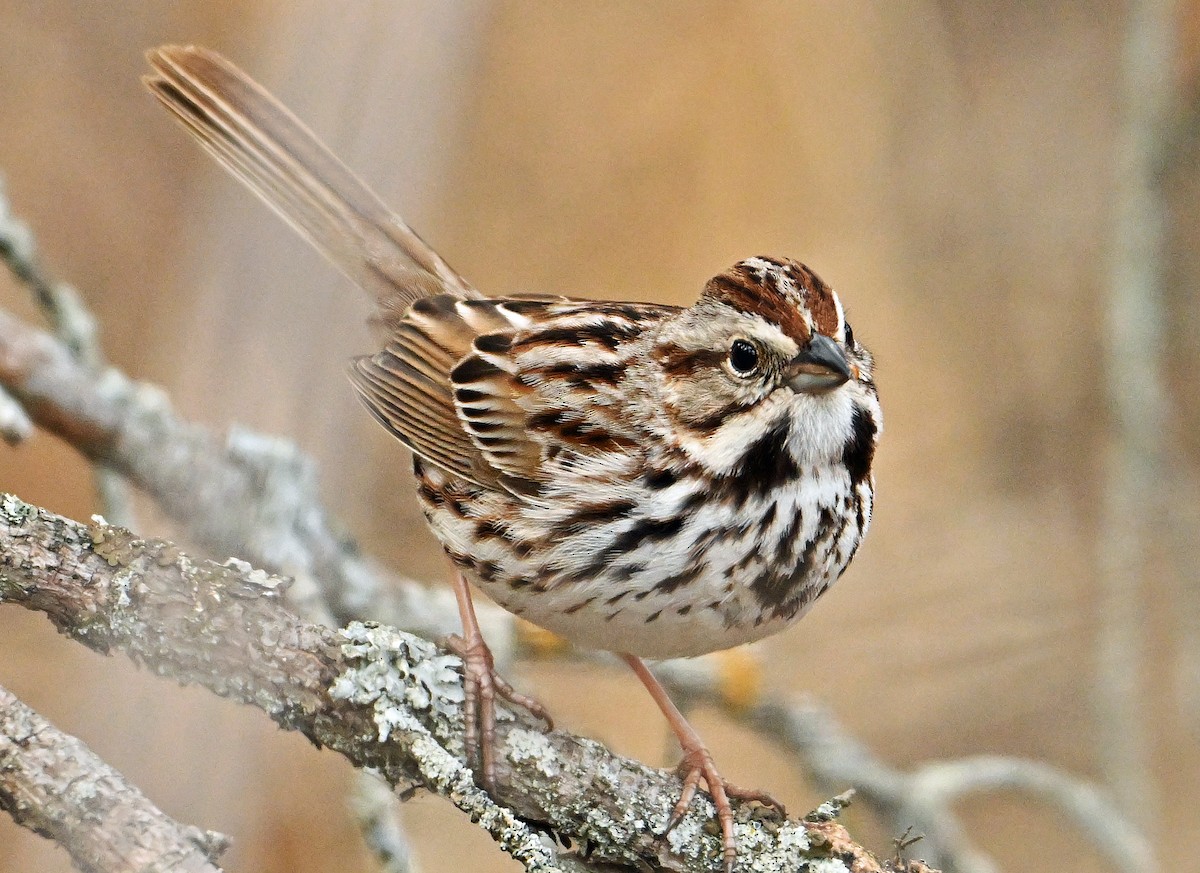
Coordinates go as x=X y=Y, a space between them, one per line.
x=650 y=480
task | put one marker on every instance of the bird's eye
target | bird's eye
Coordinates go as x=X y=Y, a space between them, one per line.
x=743 y=357
x=849 y=336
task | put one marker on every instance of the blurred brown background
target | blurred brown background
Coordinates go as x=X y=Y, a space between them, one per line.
x=946 y=165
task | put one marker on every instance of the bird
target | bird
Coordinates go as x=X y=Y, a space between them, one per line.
x=650 y=480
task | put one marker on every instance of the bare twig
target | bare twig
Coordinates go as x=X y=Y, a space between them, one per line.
x=923 y=798
x=1114 y=833
x=73 y=324
x=1134 y=471
x=382 y=698
x=54 y=785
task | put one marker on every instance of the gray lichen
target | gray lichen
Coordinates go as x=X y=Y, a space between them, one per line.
x=527 y=745
x=396 y=673
x=400 y=676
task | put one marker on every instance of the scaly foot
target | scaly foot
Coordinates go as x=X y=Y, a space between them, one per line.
x=698 y=764
x=481 y=685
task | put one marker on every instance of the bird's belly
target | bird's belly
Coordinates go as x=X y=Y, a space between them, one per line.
x=672 y=576
x=653 y=629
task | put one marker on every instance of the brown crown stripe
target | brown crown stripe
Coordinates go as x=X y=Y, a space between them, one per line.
x=742 y=291
x=743 y=288
x=821 y=301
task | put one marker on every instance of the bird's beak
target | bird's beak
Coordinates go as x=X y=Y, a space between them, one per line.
x=820 y=367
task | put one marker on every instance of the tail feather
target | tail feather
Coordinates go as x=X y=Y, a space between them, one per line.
x=263 y=144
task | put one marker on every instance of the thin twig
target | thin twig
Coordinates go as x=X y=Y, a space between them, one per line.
x=1134 y=462
x=923 y=798
x=73 y=324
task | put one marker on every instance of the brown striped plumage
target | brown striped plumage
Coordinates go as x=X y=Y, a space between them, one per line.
x=652 y=480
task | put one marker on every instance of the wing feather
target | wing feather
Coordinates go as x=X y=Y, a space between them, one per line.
x=413 y=418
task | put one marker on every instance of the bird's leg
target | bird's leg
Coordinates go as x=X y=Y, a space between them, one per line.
x=698 y=764
x=481 y=685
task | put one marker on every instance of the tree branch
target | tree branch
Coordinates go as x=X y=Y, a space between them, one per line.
x=265 y=489
x=54 y=785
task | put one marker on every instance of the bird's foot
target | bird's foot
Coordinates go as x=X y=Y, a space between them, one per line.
x=698 y=764
x=481 y=686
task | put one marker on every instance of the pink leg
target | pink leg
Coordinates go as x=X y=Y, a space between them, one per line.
x=698 y=764
x=481 y=685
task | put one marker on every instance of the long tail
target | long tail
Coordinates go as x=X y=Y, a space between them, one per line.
x=262 y=143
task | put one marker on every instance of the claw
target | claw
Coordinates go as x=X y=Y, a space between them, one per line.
x=481 y=686
x=698 y=763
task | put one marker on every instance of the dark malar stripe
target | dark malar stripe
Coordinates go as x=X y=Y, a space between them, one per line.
x=766 y=465
x=859 y=451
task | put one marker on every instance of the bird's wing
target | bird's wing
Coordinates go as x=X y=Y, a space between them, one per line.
x=493 y=389
x=438 y=389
